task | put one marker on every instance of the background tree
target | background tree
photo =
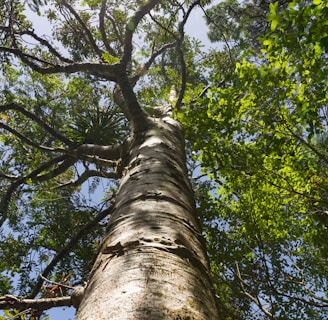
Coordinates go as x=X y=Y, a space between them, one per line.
x=260 y=138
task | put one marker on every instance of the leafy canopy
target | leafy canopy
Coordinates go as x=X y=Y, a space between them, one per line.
x=260 y=137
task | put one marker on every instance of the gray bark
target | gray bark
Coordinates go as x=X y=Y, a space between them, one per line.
x=152 y=263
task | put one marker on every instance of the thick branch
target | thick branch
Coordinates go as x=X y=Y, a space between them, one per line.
x=128 y=102
x=105 y=71
x=112 y=152
x=132 y=26
x=183 y=77
x=14 y=302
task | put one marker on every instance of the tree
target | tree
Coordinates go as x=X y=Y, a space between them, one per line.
x=261 y=138
x=255 y=120
x=71 y=110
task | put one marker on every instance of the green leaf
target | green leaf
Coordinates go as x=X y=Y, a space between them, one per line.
x=109 y=58
x=267 y=42
x=274 y=24
x=131 y=25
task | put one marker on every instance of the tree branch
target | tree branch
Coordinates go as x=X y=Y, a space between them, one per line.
x=8 y=177
x=32 y=116
x=222 y=33
x=150 y=61
x=13 y=302
x=90 y=173
x=117 y=32
x=132 y=26
x=308 y=302
x=102 y=28
x=7 y=196
x=181 y=55
x=65 y=165
x=23 y=138
x=256 y=300
x=303 y=141
x=112 y=152
x=128 y=102
x=84 y=27
x=105 y=71
x=71 y=243
x=68 y=159
x=44 y=42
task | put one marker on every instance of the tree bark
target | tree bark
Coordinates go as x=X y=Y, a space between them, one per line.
x=152 y=263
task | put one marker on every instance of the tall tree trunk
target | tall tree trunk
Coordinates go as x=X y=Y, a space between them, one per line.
x=152 y=263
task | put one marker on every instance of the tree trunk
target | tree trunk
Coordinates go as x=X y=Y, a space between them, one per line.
x=152 y=263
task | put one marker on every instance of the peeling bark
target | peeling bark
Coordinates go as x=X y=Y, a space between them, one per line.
x=152 y=263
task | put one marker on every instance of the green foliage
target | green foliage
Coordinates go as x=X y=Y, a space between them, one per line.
x=255 y=116
x=261 y=140
x=274 y=17
x=43 y=215
x=108 y=58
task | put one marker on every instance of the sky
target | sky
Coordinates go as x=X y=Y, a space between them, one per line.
x=195 y=27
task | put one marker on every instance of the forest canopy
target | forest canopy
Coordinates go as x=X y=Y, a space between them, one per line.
x=255 y=118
